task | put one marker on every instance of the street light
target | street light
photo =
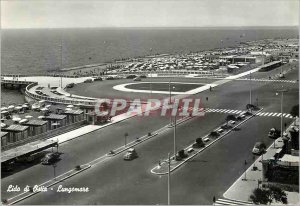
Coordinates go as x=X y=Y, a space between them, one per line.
x=169 y=177
x=250 y=90
x=54 y=166
x=281 y=108
x=125 y=135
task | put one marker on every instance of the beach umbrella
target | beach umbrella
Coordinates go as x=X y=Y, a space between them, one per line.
x=70 y=106
x=3 y=125
x=44 y=109
x=4 y=112
x=25 y=106
x=3 y=108
x=11 y=107
x=28 y=117
x=16 y=119
x=18 y=108
x=41 y=101
x=47 y=106
x=68 y=109
x=23 y=121
x=41 y=117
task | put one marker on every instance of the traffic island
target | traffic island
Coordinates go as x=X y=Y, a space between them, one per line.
x=192 y=150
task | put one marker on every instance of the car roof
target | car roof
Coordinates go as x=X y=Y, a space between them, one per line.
x=259 y=143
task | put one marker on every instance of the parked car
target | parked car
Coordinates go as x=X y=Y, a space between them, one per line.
x=274 y=133
x=259 y=148
x=130 y=154
x=137 y=79
x=88 y=81
x=98 y=79
x=132 y=76
x=50 y=158
x=71 y=85
x=7 y=166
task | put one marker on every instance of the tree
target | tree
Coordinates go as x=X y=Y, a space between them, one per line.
x=295 y=111
x=200 y=142
x=261 y=196
x=266 y=196
x=278 y=194
x=251 y=106
x=230 y=117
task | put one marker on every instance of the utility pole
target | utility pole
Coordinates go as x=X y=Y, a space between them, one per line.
x=281 y=110
x=175 y=137
x=250 y=89
x=169 y=179
x=170 y=101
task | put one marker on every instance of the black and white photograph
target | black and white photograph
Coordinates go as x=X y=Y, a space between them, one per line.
x=149 y=102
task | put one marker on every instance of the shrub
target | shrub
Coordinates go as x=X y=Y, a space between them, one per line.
x=78 y=167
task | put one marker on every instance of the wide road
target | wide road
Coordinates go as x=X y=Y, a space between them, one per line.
x=210 y=173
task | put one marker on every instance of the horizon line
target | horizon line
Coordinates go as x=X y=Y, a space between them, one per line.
x=156 y=27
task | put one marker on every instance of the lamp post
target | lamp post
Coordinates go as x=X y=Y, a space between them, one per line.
x=281 y=109
x=175 y=137
x=169 y=179
x=125 y=136
x=250 y=90
x=54 y=172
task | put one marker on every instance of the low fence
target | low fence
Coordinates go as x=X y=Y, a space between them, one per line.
x=45 y=135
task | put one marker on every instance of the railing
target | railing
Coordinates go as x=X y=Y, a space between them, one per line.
x=5 y=81
x=56 y=100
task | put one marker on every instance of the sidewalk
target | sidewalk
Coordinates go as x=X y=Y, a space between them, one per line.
x=242 y=188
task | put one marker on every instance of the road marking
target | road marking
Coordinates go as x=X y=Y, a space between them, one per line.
x=221 y=201
x=279 y=114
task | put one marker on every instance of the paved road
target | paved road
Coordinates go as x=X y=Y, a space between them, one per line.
x=210 y=173
x=120 y=182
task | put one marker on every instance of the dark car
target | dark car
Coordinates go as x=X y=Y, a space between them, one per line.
x=71 y=85
x=50 y=158
x=130 y=154
x=259 y=148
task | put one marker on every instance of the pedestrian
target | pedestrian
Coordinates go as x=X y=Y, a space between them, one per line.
x=206 y=98
x=214 y=199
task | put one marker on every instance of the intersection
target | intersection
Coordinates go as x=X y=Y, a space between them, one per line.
x=118 y=182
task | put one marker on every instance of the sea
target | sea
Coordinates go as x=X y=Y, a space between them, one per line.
x=38 y=51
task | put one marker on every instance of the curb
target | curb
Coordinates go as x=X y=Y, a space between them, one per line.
x=146 y=137
x=201 y=150
x=256 y=161
x=54 y=183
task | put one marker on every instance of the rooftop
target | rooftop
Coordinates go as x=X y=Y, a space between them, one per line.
x=16 y=128
x=73 y=112
x=3 y=133
x=35 y=122
x=55 y=116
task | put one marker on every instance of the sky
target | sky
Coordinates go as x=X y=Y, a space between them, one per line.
x=147 y=13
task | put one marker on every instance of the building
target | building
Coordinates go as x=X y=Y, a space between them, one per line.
x=4 y=137
x=16 y=133
x=36 y=127
x=74 y=116
x=55 y=121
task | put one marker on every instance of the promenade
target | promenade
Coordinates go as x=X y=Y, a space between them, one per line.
x=242 y=188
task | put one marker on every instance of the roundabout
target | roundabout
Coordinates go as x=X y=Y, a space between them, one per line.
x=158 y=87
